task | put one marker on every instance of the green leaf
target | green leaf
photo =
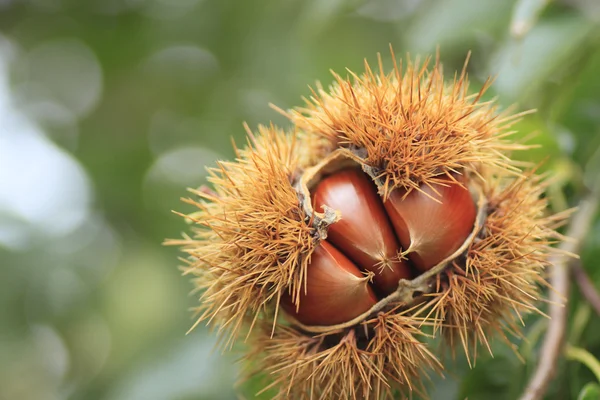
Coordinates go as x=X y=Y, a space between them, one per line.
x=585 y=357
x=591 y=391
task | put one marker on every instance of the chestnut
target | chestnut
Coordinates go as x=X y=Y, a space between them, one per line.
x=432 y=222
x=336 y=290
x=364 y=232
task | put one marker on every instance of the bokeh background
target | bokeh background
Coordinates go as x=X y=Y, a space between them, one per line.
x=109 y=109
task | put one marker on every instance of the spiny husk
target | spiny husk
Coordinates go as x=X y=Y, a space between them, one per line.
x=410 y=126
x=487 y=293
x=254 y=235
x=379 y=359
x=251 y=237
x=316 y=149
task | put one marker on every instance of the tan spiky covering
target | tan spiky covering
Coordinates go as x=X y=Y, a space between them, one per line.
x=316 y=148
x=251 y=239
x=347 y=365
x=410 y=126
x=488 y=293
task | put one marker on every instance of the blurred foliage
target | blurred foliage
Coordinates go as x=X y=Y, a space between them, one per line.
x=109 y=109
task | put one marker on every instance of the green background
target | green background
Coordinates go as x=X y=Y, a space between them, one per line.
x=109 y=109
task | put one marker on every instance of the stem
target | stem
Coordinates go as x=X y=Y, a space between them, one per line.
x=560 y=263
x=584 y=357
x=586 y=287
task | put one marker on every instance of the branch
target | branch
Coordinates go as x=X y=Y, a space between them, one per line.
x=560 y=264
x=586 y=287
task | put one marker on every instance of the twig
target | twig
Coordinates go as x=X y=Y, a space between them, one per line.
x=553 y=342
x=586 y=287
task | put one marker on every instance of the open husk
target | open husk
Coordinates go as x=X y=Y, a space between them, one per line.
x=409 y=292
x=255 y=230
